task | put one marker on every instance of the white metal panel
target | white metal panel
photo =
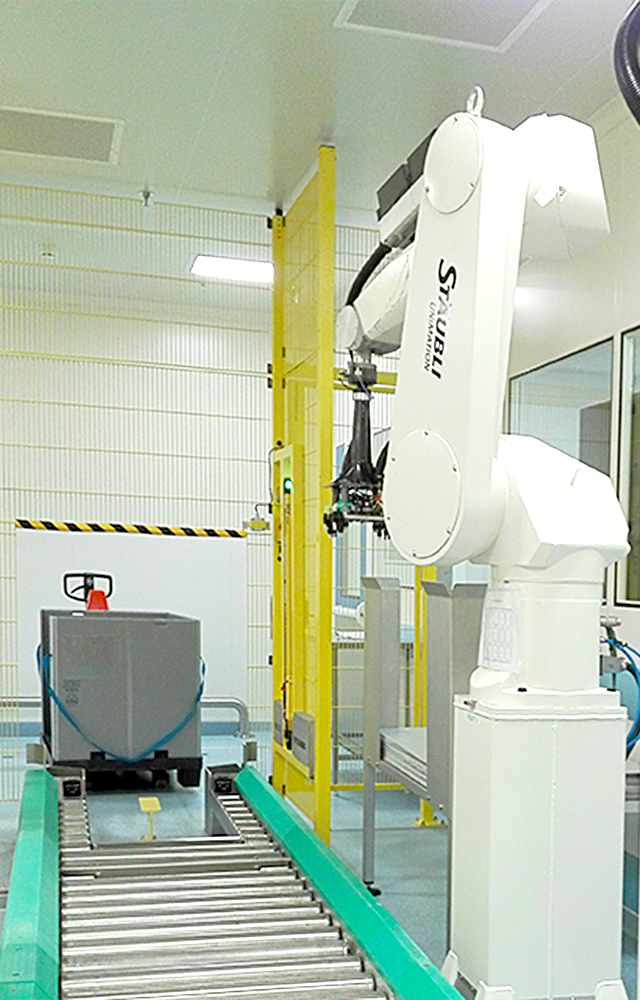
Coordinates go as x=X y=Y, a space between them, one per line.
x=520 y=862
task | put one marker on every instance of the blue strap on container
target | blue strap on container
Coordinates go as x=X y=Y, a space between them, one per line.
x=43 y=671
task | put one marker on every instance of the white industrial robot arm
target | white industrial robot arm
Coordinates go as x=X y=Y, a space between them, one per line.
x=373 y=323
x=538 y=763
x=454 y=488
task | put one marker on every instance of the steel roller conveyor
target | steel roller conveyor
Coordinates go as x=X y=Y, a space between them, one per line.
x=259 y=908
x=220 y=916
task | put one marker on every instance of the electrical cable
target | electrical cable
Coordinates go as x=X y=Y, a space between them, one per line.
x=634 y=733
x=366 y=271
x=270 y=467
x=43 y=671
x=625 y=59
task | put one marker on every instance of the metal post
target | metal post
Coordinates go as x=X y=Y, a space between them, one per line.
x=369 y=826
x=335 y=742
x=381 y=695
x=453 y=634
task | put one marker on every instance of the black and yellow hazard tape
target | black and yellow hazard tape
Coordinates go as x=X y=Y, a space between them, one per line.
x=129 y=529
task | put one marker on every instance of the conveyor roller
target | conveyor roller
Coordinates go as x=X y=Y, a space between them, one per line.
x=215 y=917
x=260 y=908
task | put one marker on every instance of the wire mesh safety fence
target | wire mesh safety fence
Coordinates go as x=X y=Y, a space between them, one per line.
x=130 y=390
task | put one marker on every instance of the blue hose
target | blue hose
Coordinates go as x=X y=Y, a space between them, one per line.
x=43 y=671
x=628 y=650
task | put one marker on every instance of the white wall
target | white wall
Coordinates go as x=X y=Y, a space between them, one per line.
x=131 y=392
x=203 y=578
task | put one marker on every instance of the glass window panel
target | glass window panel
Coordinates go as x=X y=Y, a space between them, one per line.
x=567 y=404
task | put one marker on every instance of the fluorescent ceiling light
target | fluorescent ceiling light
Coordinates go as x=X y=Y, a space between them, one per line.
x=253 y=272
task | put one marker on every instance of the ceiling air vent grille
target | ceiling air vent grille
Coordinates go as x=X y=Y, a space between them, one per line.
x=493 y=25
x=47 y=133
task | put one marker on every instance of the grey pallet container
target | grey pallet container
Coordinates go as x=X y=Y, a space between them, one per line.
x=127 y=680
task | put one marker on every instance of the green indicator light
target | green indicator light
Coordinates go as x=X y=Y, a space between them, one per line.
x=287 y=485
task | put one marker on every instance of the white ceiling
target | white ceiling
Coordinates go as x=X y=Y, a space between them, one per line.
x=232 y=97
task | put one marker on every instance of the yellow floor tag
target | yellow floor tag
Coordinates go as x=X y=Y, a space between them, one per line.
x=149 y=804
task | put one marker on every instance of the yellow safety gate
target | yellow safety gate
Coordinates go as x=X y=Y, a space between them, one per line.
x=302 y=380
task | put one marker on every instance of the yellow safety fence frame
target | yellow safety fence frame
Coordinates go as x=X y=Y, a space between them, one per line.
x=422 y=573
x=302 y=381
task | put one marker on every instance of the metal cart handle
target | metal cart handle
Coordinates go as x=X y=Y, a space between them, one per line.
x=87 y=582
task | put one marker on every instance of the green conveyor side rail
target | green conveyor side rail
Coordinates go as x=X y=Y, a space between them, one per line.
x=29 y=949
x=405 y=969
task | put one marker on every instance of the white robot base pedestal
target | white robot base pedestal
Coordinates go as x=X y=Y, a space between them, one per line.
x=537 y=845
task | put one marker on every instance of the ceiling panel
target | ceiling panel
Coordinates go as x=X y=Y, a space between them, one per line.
x=230 y=99
x=41 y=133
x=490 y=24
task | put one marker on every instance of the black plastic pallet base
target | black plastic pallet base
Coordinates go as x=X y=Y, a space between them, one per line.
x=188 y=768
